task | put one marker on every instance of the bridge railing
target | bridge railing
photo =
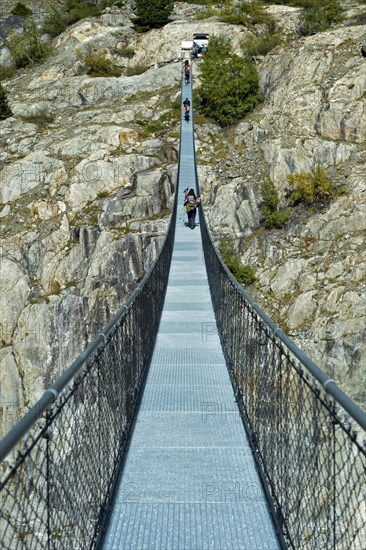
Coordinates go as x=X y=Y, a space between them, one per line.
x=59 y=465
x=311 y=455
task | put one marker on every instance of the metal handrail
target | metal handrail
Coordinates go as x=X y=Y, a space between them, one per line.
x=328 y=384
x=12 y=438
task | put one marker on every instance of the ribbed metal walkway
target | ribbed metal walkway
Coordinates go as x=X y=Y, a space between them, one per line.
x=189 y=480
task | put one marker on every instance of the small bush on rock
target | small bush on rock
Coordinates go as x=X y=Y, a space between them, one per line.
x=5 y=111
x=260 y=45
x=21 y=9
x=318 y=16
x=152 y=14
x=312 y=188
x=98 y=64
x=246 y=13
x=272 y=215
x=58 y=19
x=125 y=51
x=6 y=72
x=27 y=48
x=136 y=69
x=244 y=274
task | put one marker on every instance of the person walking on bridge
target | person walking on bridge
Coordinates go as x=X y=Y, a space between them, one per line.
x=191 y=202
x=186 y=106
x=187 y=74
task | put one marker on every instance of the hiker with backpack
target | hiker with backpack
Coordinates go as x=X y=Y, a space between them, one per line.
x=187 y=74
x=186 y=106
x=191 y=202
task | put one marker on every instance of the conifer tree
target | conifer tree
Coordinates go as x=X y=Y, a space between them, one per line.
x=152 y=14
x=5 y=111
x=229 y=84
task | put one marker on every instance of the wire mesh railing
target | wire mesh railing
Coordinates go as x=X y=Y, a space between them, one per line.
x=311 y=456
x=59 y=465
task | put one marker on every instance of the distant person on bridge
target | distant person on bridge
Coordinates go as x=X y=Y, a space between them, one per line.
x=191 y=202
x=187 y=107
x=187 y=74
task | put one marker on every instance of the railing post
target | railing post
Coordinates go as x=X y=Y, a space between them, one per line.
x=334 y=475
x=47 y=437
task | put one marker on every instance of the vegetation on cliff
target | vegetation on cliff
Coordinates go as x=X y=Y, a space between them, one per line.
x=229 y=84
x=152 y=14
x=5 y=111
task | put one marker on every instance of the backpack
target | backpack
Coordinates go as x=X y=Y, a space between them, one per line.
x=191 y=203
x=186 y=72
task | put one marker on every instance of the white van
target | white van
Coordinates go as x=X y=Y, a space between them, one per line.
x=186 y=47
x=201 y=39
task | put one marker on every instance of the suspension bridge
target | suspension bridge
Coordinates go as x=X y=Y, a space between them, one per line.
x=191 y=422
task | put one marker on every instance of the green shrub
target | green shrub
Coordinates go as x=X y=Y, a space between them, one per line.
x=154 y=127
x=234 y=17
x=21 y=9
x=151 y=14
x=27 y=48
x=244 y=274
x=319 y=16
x=125 y=51
x=260 y=45
x=207 y=13
x=136 y=69
x=97 y=64
x=58 y=19
x=42 y=119
x=6 y=72
x=229 y=84
x=5 y=111
x=247 y=13
x=312 y=188
x=269 y=195
x=202 y=2
x=272 y=216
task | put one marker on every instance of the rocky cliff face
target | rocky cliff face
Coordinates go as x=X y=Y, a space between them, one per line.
x=312 y=274
x=87 y=174
x=86 y=187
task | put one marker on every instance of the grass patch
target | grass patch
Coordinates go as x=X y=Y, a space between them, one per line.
x=260 y=45
x=98 y=65
x=245 y=13
x=154 y=127
x=7 y=72
x=207 y=13
x=103 y=194
x=136 y=69
x=43 y=119
x=125 y=51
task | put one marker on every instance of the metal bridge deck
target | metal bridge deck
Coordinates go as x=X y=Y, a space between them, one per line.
x=189 y=480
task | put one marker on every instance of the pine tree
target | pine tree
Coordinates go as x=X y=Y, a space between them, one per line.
x=152 y=14
x=5 y=111
x=229 y=84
